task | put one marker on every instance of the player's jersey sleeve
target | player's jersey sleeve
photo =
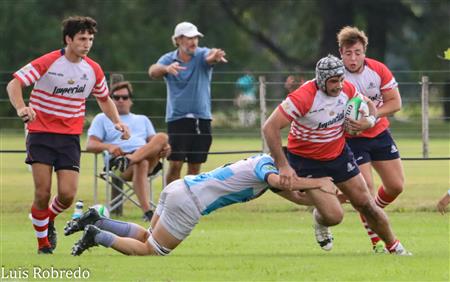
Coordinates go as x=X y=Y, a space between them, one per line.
x=350 y=90
x=298 y=103
x=100 y=90
x=388 y=81
x=97 y=129
x=33 y=71
x=264 y=167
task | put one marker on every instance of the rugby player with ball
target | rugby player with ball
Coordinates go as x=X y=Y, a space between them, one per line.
x=316 y=146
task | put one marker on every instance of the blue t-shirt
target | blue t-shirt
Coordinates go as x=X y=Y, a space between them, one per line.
x=189 y=92
x=140 y=129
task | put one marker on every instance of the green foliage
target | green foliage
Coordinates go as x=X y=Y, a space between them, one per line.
x=133 y=34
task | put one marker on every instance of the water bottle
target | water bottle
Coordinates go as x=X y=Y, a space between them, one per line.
x=78 y=211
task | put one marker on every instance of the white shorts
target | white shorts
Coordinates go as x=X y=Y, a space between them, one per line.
x=177 y=210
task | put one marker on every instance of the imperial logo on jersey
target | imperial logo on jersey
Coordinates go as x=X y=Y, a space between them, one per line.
x=338 y=118
x=313 y=134
x=57 y=97
x=69 y=90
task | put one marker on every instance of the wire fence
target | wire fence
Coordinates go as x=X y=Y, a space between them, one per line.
x=231 y=119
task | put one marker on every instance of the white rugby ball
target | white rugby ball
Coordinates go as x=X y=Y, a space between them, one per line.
x=102 y=210
x=353 y=110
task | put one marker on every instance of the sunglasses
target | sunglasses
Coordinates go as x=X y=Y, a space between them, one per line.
x=117 y=98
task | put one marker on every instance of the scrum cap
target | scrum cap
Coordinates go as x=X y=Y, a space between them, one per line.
x=326 y=68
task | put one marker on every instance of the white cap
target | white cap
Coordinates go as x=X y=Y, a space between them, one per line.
x=186 y=29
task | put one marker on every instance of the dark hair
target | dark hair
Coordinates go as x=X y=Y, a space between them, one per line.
x=73 y=25
x=121 y=85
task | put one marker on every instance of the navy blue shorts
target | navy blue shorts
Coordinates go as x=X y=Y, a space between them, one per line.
x=380 y=148
x=62 y=151
x=190 y=139
x=340 y=169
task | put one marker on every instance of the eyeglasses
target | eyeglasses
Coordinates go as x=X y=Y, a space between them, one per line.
x=117 y=98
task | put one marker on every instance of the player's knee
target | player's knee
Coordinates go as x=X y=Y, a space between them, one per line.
x=395 y=189
x=155 y=248
x=66 y=198
x=333 y=217
x=42 y=196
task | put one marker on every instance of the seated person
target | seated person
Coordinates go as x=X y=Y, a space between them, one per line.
x=142 y=150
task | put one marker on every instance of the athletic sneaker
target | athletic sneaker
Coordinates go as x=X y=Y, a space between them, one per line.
x=78 y=224
x=52 y=238
x=323 y=234
x=400 y=250
x=45 y=251
x=87 y=241
x=121 y=163
x=379 y=248
x=148 y=216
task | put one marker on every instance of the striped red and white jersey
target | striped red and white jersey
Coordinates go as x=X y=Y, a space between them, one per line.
x=317 y=121
x=375 y=79
x=60 y=91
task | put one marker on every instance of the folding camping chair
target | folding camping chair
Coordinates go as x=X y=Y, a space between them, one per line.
x=124 y=190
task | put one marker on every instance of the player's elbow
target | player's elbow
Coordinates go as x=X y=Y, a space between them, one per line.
x=268 y=127
x=12 y=86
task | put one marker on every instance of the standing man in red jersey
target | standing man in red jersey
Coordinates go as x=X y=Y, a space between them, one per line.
x=62 y=79
x=373 y=147
x=316 y=146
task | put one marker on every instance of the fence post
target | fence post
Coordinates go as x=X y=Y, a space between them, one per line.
x=262 y=110
x=425 y=116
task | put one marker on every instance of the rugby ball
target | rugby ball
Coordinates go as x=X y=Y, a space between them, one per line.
x=353 y=110
x=102 y=210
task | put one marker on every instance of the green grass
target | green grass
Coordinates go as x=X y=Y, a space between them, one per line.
x=267 y=239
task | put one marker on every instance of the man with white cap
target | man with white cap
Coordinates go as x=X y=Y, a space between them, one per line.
x=187 y=72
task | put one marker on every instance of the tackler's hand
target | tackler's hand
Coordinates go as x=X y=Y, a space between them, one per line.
x=27 y=114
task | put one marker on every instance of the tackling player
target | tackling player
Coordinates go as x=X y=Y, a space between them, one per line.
x=374 y=147
x=184 y=201
x=62 y=79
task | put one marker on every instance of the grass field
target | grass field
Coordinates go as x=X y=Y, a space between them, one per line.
x=265 y=240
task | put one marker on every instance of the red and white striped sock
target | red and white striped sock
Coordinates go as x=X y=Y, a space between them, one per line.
x=40 y=225
x=55 y=208
x=382 y=199
x=391 y=247
x=372 y=235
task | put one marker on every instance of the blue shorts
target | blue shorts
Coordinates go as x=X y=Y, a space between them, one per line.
x=340 y=169
x=380 y=148
x=62 y=151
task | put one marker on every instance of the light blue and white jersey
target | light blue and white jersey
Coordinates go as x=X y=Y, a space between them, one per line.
x=236 y=183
